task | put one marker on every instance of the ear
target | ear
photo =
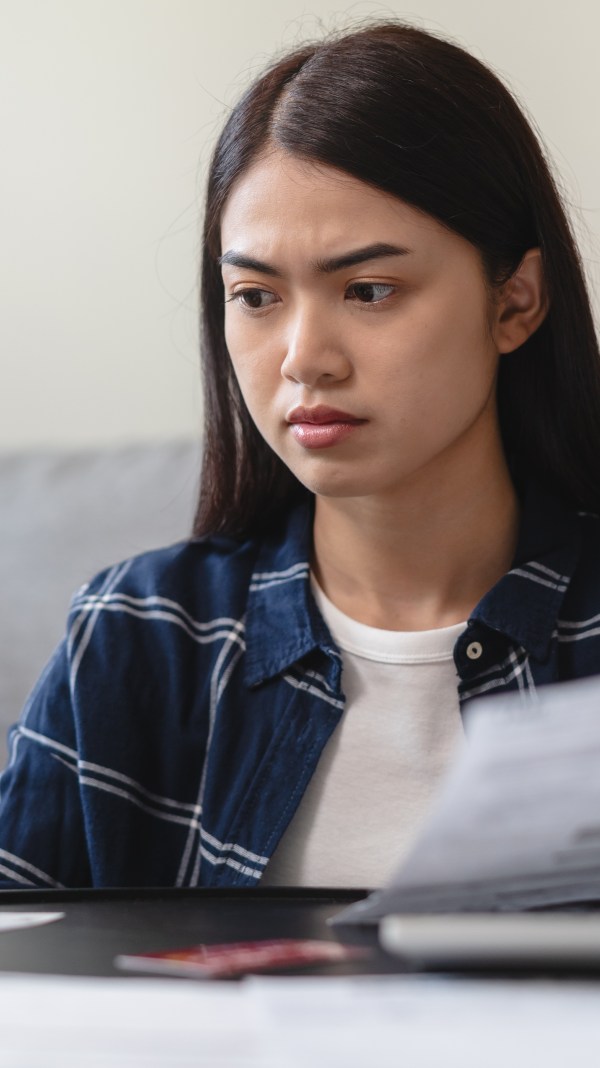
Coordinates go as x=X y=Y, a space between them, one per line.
x=522 y=304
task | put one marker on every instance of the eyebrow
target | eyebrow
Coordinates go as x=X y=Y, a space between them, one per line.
x=328 y=266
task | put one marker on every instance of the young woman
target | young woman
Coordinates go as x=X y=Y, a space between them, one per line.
x=400 y=478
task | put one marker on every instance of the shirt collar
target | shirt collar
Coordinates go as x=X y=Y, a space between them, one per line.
x=282 y=620
x=283 y=623
x=525 y=603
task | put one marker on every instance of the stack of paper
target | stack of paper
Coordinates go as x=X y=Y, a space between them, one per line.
x=517 y=821
x=58 y=1022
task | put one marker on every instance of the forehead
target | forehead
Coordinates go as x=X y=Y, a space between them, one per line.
x=281 y=198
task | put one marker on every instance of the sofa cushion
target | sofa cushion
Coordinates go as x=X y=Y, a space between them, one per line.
x=66 y=515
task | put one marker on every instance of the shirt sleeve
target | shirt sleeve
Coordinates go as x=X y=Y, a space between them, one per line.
x=42 y=832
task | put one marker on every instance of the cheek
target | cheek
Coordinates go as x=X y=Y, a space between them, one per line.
x=253 y=371
x=235 y=345
x=455 y=337
x=442 y=367
x=243 y=355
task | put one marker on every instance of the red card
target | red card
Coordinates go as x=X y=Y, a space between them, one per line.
x=239 y=958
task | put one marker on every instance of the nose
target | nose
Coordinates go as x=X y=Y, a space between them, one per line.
x=315 y=354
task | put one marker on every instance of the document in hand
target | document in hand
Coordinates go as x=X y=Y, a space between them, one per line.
x=517 y=821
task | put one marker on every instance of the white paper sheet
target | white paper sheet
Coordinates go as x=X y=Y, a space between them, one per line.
x=517 y=820
x=429 y=1023
x=63 y=1022
x=58 y=1022
x=13 y=921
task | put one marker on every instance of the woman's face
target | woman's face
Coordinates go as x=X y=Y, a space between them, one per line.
x=359 y=328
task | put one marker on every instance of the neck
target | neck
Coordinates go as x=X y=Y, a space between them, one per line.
x=423 y=556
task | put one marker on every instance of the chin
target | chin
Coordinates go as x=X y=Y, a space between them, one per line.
x=338 y=484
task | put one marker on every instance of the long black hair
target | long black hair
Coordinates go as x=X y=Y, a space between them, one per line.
x=416 y=116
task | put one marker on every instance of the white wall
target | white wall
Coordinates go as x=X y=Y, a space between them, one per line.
x=108 y=109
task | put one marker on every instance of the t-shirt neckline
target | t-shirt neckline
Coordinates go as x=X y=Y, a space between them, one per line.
x=390 y=646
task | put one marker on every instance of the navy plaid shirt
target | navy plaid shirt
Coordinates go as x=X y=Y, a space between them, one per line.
x=174 y=732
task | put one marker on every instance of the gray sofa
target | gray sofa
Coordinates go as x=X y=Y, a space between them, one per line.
x=64 y=516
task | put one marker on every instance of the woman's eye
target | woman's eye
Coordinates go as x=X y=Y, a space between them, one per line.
x=254 y=299
x=369 y=292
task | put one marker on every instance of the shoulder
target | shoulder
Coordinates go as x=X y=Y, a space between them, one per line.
x=212 y=574
x=202 y=575
x=152 y=629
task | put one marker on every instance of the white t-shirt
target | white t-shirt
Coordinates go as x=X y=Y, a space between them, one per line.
x=375 y=780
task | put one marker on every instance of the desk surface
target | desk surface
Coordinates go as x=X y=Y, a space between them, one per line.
x=100 y=924
x=58 y=1022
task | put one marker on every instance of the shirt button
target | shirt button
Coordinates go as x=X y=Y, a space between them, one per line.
x=474 y=650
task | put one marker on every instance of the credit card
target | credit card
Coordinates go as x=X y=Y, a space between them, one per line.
x=239 y=958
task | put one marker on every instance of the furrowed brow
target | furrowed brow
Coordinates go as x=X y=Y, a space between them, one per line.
x=249 y=263
x=360 y=255
x=377 y=251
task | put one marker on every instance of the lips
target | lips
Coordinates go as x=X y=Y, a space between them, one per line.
x=321 y=415
x=321 y=427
